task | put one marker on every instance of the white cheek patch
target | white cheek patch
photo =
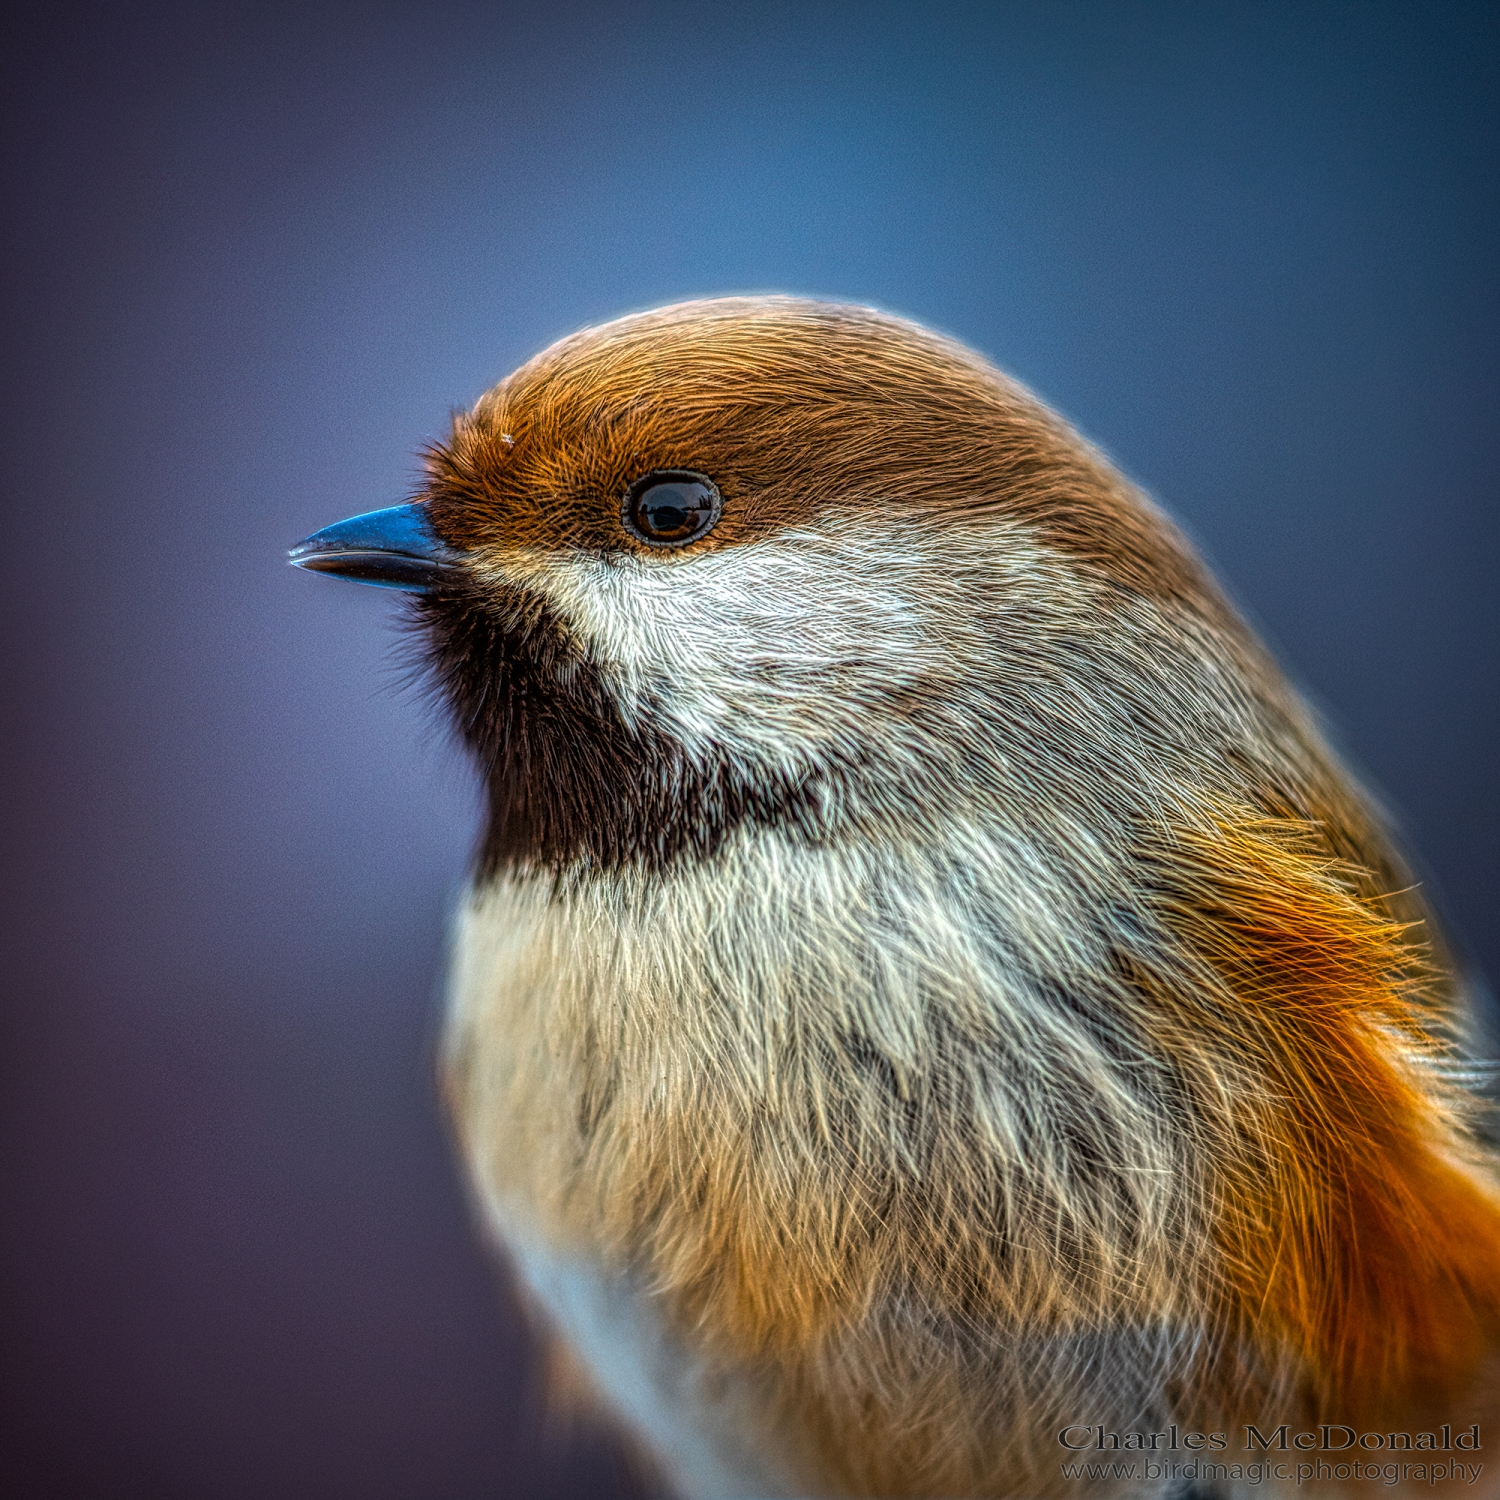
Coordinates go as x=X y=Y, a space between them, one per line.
x=787 y=648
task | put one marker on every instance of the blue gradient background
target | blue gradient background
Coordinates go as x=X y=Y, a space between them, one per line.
x=252 y=257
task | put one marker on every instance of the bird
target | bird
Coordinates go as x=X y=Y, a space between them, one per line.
x=929 y=1006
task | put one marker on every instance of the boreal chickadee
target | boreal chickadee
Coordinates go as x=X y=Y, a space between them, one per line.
x=926 y=985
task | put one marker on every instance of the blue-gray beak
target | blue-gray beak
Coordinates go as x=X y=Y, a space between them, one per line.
x=393 y=549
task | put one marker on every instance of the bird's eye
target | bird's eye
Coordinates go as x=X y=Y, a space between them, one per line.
x=671 y=507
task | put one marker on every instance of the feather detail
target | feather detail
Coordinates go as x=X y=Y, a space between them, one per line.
x=1358 y=1223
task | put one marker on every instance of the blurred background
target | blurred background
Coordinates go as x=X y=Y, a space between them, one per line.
x=252 y=257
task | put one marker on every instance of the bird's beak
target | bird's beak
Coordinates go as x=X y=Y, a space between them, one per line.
x=393 y=549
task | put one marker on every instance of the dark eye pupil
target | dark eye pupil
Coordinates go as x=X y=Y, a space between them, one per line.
x=671 y=508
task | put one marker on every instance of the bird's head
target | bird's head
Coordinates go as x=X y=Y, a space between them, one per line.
x=765 y=561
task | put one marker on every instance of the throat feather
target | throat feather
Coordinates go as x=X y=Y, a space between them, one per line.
x=572 y=786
